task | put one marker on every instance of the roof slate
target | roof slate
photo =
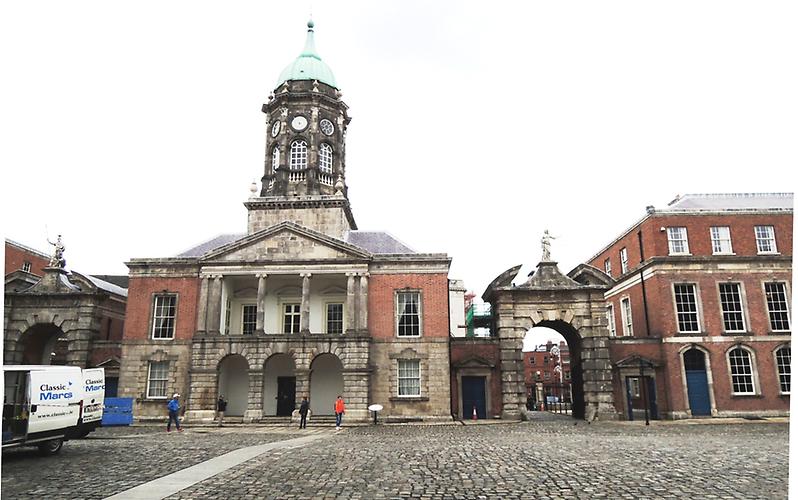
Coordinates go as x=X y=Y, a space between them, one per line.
x=732 y=201
x=211 y=244
x=378 y=242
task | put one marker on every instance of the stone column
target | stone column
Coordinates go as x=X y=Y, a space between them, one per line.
x=350 y=302
x=78 y=347
x=215 y=306
x=304 y=311
x=254 y=411
x=261 y=305
x=202 y=307
x=363 y=317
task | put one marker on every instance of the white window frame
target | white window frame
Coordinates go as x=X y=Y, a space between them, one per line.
x=297 y=315
x=780 y=365
x=243 y=315
x=724 y=312
x=769 y=239
x=626 y=317
x=786 y=303
x=398 y=315
x=611 y=320
x=150 y=380
x=720 y=237
x=327 y=315
x=608 y=266
x=325 y=158
x=400 y=378
x=156 y=316
x=624 y=254
x=678 y=235
x=694 y=292
x=753 y=374
x=299 y=155
x=26 y=266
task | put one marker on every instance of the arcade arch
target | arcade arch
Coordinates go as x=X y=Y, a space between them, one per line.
x=326 y=383
x=234 y=383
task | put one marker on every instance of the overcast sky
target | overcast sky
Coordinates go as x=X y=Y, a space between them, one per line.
x=134 y=128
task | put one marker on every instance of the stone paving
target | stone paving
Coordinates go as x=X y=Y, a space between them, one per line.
x=547 y=458
x=114 y=459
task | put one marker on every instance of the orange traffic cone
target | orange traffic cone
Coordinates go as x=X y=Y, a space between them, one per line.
x=474 y=414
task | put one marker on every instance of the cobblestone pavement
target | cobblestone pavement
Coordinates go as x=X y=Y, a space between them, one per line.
x=547 y=458
x=113 y=459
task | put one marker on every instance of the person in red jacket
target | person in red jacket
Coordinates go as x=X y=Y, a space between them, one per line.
x=339 y=412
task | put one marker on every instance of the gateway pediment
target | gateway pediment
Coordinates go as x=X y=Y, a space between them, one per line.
x=287 y=242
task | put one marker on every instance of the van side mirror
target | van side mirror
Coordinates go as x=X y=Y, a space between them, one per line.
x=33 y=408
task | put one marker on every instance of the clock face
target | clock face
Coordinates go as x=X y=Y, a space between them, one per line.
x=276 y=128
x=326 y=127
x=299 y=123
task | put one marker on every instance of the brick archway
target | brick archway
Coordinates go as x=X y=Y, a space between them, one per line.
x=574 y=307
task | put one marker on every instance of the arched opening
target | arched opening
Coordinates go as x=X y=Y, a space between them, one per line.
x=326 y=383
x=553 y=369
x=44 y=344
x=695 y=373
x=234 y=383
x=279 y=385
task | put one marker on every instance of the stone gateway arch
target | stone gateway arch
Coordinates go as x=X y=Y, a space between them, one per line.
x=572 y=305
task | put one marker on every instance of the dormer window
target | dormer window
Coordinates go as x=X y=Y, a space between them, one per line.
x=299 y=155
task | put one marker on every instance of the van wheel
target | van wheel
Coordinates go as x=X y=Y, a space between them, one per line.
x=51 y=447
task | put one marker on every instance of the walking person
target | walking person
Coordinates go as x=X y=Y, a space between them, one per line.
x=174 y=407
x=221 y=407
x=339 y=412
x=303 y=413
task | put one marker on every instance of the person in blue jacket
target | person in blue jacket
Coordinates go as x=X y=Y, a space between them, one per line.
x=174 y=407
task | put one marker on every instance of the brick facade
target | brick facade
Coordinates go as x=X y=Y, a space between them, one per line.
x=657 y=337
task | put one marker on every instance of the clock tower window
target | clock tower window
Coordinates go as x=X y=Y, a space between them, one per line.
x=299 y=160
x=326 y=164
x=275 y=158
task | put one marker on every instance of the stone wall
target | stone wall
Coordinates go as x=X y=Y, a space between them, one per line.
x=434 y=402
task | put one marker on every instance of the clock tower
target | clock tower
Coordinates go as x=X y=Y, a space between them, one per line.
x=304 y=178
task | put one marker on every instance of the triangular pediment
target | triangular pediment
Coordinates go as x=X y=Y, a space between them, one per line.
x=287 y=242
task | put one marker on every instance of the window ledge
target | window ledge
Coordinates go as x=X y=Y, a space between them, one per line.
x=780 y=332
x=743 y=396
x=738 y=334
x=408 y=399
x=698 y=333
x=784 y=394
x=723 y=253
x=681 y=254
x=768 y=253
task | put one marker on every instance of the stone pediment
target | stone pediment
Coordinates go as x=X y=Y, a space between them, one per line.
x=634 y=361
x=473 y=362
x=589 y=275
x=548 y=276
x=504 y=279
x=286 y=242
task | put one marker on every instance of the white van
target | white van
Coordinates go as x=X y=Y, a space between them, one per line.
x=46 y=405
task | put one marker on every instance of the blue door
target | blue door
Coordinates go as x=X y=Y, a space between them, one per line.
x=474 y=397
x=697 y=386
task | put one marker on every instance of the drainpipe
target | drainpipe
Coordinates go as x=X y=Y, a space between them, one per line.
x=643 y=282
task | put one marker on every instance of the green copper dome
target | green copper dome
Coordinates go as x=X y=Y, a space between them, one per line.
x=308 y=66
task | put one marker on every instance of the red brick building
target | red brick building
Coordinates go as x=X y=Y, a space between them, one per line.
x=701 y=304
x=540 y=365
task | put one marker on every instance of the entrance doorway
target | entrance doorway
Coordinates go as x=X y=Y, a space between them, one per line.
x=276 y=394
x=636 y=398
x=553 y=369
x=286 y=396
x=474 y=397
x=695 y=371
